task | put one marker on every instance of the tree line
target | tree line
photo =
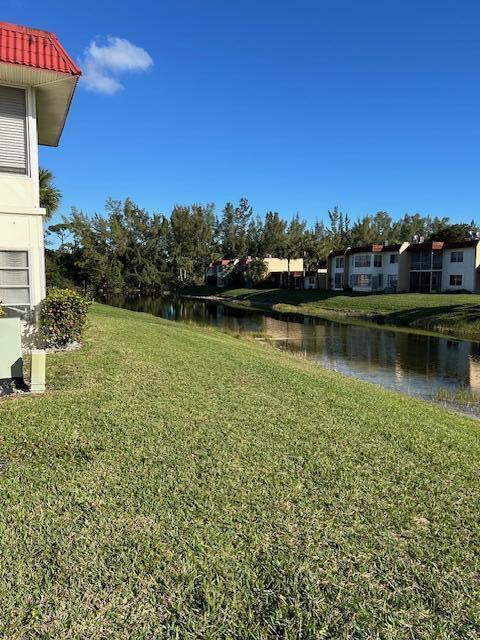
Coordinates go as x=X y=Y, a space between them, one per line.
x=127 y=248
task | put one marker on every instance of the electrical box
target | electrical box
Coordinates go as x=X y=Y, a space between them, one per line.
x=11 y=363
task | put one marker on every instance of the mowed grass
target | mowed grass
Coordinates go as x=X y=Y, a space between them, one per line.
x=455 y=314
x=176 y=482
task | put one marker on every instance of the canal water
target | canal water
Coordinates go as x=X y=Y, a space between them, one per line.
x=419 y=365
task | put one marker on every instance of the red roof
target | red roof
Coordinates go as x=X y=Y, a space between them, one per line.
x=220 y=263
x=34 y=48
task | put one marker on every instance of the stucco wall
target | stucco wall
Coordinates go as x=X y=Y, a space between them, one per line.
x=280 y=265
x=21 y=218
x=23 y=232
x=465 y=269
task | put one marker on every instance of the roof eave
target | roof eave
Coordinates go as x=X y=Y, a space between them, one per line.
x=51 y=121
x=53 y=93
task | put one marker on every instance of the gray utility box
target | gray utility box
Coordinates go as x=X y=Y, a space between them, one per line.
x=11 y=365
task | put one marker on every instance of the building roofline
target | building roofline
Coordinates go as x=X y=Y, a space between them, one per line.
x=369 y=248
x=34 y=48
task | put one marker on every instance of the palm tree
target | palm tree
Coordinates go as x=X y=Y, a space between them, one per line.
x=50 y=196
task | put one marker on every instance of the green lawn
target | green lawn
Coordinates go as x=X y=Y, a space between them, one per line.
x=177 y=482
x=456 y=314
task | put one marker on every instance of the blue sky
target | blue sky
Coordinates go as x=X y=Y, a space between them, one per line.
x=298 y=105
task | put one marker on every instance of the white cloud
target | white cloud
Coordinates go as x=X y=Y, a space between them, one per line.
x=102 y=64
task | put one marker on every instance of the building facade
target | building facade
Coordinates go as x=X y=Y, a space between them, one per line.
x=444 y=266
x=427 y=267
x=37 y=82
x=278 y=271
x=369 y=268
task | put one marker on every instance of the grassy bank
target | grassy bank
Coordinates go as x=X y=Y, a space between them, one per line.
x=176 y=482
x=453 y=314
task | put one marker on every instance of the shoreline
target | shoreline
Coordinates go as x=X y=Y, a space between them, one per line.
x=286 y=310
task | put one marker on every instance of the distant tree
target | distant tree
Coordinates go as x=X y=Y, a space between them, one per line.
x=50 y=195
x=410 y=225
x=382 y=225
x=234 y=229
x=339 y=229
x=243 y=214
x=61 y=230
x=295 y=241
x=273 y=237
x=227 y=231
x=257 y=271
x=191 y=243
x=364 y=232
x=318 y=245
x=453 y=232
x=254 y=237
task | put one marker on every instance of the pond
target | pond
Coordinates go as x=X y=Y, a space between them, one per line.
x=420 y=365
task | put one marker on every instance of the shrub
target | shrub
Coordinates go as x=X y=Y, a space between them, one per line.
x=2 y=312
x=63 y=316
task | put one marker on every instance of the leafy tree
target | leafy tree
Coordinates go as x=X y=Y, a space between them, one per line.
x=273 y=236
x=339 y=231
x=453 y=232
x=254 y=237
x=295 y=241
x=227 y=231
x=234 y=229
x=257 y=271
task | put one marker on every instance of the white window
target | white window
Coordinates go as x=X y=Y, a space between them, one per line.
x=456 y=281
x=377 y=260
x=14 y=279
x=392 y=281
x=362 y=261
x=339 y=263
x=363 y=280
x=311 y=280
x=13 y=139
x=393 y=258
x=338 y=282
x=456 y=256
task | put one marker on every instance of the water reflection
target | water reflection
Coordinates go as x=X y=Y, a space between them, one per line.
x=412 y=363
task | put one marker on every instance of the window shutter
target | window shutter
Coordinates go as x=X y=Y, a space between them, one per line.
x=14 y=278
x=13 y=151
x=13 y=259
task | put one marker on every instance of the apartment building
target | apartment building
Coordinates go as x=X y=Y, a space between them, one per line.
x=429 y=267
x=369 y=268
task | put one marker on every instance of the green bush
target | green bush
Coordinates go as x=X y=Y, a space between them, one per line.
x=2 y=312
x=63 y=316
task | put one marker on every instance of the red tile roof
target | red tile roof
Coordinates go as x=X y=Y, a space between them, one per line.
x=34 y=48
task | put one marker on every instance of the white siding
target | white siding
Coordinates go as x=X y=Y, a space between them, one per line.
x=466 y=269
x=379 y=274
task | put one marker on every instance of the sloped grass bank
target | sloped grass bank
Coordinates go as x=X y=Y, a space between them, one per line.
x=453 y=314
x=177 y=482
